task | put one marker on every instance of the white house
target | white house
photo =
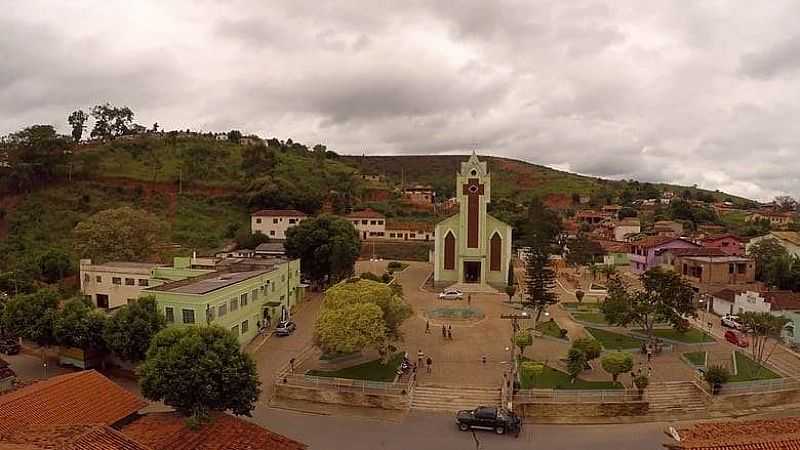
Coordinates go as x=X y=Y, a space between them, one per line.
x=626 y=228
x=275 y=222
x=790 y=240
x=113 y=284
x=369 y=224
x=729 y=301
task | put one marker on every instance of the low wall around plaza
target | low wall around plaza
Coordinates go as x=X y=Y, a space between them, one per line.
x=541 y=410
x=747 y=400
x=326 y=394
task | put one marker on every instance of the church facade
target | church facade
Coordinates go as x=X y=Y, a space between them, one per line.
x=472 y=246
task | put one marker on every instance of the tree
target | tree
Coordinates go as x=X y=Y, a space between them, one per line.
x=197 y=160
x=616 y=363
x=235 y=136
x=583 y=251
x=766 y=252
x=716 y=376
x=666 y=297
x=539 y=281
x=131 y=329
x=258 y=160
x=54 y=265
x=78 y=325
x=576 y=362
x=111 y=121
x=590 y=347
x=245 y=239
x=394 y=311
x=522 y=340
x=327 y=247
x=765 y=332
x=199 y=369
x=541 y=229
x=77 y=120
x=786 y=203
x=31 y=316
x=350 y=328
x=34 y=156
x=124 y=234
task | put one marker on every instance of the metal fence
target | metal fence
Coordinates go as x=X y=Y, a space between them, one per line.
x=577 y=396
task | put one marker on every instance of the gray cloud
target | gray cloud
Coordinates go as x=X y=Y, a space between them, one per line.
x=698 y=93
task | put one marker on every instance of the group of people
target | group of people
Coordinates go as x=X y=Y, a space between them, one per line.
x=428 y=361
x=447 y=331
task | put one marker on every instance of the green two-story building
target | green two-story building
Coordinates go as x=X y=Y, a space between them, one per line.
x=239 y=296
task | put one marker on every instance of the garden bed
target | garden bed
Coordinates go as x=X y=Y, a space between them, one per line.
x=691 y=336
x=748 y=370
x=372 y=370
x=590 y=317
x=551 y=378
x=696 y=359
x=550 y=328
x=614 y=341
x=455 y=313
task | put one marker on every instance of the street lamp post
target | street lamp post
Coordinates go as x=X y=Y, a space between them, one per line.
x=513 y=369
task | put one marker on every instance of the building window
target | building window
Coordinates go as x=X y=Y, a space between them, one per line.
x=373 y=222
x=364 y=222
x=234 y=304
x=291 y=222
x=188 y=315
x=741 y=268
x=272 y=232
x=274 y=220
x=380 y=222
x=245 y=327
x=169 y=314
x=254 y=295
x=86 y=277
x=98 y=279
x=144 y=282
x=258 y=220
x=102 y=300
x=116 y=280
x=730 y=268
x=243 y=299
x=235 y=330
x=130 y=282
x=222 y=310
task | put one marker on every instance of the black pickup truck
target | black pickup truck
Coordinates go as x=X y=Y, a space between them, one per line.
x=500 y=420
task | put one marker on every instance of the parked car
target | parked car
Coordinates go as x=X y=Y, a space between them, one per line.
x=285 y=328
x=731 y=321
x=486 y=417
x=736 y=338
x=451 y=294
x=9 y=345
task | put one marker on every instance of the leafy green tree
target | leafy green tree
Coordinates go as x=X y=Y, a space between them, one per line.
x=541 y=228
x=34 y=156
x=131 y=329
x=666 y=297
x=394 y=311
x=199 y=369
x=32 y=316
x=540 y=280
x=77 y=120
x=197 y=160
x=583 y=251
x=54 y=265
x=590 y=347
x=765 y=331
x=111 y=121
x=522 y=340
x=616 y=363
x=576 y=362
x=767 y=253
x=258 y=160
x=716 y=376
x=350 y=328
x=125 y=234
x=234 y=136
x=327 y=246
x=78 y=325
x=245 y=239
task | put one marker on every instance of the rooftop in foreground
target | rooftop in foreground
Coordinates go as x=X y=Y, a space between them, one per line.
x=209 y=282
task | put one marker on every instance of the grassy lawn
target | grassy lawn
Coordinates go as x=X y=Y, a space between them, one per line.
x=549 y=328
x=590 y=317
x=692 y=336
x=551 y=378
x=696 y=358
x=396 y=266
x=614 y=341
x=585 y=307
x=373 y=370
x=748 y=370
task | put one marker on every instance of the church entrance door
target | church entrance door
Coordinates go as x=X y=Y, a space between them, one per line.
x=472 y=271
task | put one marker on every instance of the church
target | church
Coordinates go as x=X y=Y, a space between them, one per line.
x=472 y=246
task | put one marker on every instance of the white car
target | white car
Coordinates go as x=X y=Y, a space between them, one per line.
x=731 y=321
x=451 y=294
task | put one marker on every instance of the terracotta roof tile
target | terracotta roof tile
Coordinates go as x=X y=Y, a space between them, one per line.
x=722 y=236
x=726 y=294
x=655 y=241
x=699 y=251
x=279 y=213
x=70 y=437
x=365 y=214
x=409 y=226
x=782 y=300
x=774 y=434
x=76 y=398
x=614 y=246
x=168 y=431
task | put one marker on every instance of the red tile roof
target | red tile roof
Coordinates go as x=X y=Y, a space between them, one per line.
x=365 y=214
x=655 y=241
x=782 y=300
x=75 y=398
x=69 y=437
x=614 y=246
x=774 y=434
x=723 y=236
x=279 y=213
x=168 y=431
x=699 y=251
x=726 y=294
x=410 y=226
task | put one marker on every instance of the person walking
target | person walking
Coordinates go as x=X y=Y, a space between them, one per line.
x=429 y=364
x=469 y=299
x=427 y=327
x=450 y=332
x=649 y=353
x=420 y=357
x=444 y=331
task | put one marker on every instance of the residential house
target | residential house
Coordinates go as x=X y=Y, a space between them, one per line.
x=114 y=284
x=730 y=244
x=250 y=140
x=275 y=222
x=611 y=210
x=626 y=228
x=409 y=231
x=371 y=178
x=773 y=434
x=617 y=253
x=712 y=272
x=779 y=219
x=221 y=136
x=69 y=437
x=668 y=228
x=790 y=240
x=240 y=295
x=645 y=253
x=369 y=224
x=735 y=301
x=591 y=217
x=708 y=230
x=420 y=194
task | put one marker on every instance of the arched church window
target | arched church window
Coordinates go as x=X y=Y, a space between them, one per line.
x=495 y=252
x=449 y=251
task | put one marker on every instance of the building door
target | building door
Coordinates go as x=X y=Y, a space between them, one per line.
x=472 y=271
x=102 y=300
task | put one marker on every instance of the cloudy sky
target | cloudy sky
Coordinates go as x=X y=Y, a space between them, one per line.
x=694 y=92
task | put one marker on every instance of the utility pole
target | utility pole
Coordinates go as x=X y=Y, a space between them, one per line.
x=513 y=369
